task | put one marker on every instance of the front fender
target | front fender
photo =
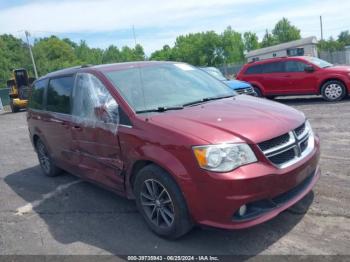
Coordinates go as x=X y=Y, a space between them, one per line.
x=335 y=76
x=175 y=160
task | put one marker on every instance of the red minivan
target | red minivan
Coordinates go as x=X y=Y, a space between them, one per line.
x=185 y=146
x=302 y=75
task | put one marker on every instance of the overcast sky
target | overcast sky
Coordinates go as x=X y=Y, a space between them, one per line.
x=158 y=22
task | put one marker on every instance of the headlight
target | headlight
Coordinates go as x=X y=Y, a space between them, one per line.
x=225 y=157
x=311 y=142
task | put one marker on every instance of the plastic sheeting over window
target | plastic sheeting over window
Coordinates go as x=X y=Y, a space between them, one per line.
x=93 y=105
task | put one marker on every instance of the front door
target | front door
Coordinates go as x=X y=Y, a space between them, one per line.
x=299 y=81
x=95 y=121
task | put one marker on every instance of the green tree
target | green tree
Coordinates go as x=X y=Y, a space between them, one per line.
x=87 y=55
x=165 y=54
x=330 y=45
x=344 y=37
x=268 y=40
x=139 y=53
x=111 y=55
x=52 y=54
x=13 y=54
x=233 y=46
x=284 y=31
x=251 y=41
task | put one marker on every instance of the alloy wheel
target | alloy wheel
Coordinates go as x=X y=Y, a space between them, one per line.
x=43 y=157
x=157 y=203
x=333 y=91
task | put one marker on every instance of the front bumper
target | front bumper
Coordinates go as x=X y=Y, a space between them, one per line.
x=266 y=190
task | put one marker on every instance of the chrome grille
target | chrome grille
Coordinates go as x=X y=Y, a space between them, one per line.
x=242 y=91
x=300 y=130
x=289 y=148
x=274 y=142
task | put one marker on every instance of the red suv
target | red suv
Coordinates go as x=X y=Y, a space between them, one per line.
x=178 y=141
x=297 y=76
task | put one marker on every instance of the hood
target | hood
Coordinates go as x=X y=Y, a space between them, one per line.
x=237 y=119
x=340 y=68
x=236 y=84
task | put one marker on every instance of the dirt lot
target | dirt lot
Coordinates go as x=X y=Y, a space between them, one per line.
x=63 y=215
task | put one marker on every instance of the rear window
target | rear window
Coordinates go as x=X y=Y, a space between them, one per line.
x=36 y=100
x=59 y=94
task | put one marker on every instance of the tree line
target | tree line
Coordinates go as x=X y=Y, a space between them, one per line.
x=52 y=53
x=201 y=49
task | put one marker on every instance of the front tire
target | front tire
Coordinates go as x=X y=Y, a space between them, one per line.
x=333 y=91
x=160 y=201
x=46 y=163
x=257 y=91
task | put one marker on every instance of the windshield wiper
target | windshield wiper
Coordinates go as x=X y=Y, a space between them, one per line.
x=206 y=99
x=160 y=109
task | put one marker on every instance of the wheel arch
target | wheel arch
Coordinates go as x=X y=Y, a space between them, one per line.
x=332 y=79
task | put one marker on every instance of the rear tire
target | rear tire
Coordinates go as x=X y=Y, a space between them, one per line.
x=46 y=163
x=161 y=203
x=333 y=91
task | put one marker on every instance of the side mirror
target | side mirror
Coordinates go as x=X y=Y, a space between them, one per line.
x=309 y=69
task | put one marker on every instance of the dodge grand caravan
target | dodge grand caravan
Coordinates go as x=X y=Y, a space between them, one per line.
x=178 y=141
x=301 y=75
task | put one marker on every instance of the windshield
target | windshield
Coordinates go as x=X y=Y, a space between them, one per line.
x=319 y=62
x=215 y=73
x=166 y=85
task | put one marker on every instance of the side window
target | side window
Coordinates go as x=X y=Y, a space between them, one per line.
x=36 y=100
x=59 y=94
x=274 y=67
x=295 y=66
x=92 y=102
x=295 y=52
x=255 y=69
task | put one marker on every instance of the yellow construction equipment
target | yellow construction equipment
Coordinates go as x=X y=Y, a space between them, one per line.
x=19 y=89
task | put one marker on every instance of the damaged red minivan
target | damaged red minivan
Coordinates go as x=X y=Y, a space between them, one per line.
x=185 y=146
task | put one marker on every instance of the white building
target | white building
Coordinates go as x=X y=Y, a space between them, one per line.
x=305 y=46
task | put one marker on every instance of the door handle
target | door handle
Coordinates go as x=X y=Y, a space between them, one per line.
x=77 y=128
x=64 y=124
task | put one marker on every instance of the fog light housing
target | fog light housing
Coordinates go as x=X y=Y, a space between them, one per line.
x=242 y=210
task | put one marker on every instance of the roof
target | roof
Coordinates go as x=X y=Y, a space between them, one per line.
x=272 y=59
x=275 y=48
x=103 y=67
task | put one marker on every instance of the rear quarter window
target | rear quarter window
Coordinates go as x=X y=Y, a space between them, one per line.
x=59 y=94
x=36 y=100
x=254 y=69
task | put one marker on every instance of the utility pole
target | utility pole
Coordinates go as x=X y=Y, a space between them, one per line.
x=133 y=32
x=31 y=54
x=321 y=24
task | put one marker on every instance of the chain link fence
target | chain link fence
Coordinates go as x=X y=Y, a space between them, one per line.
x=4 y=96
x=230 y=71
x=336 y=57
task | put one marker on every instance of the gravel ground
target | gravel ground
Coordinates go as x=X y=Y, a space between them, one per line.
x=80 y=218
